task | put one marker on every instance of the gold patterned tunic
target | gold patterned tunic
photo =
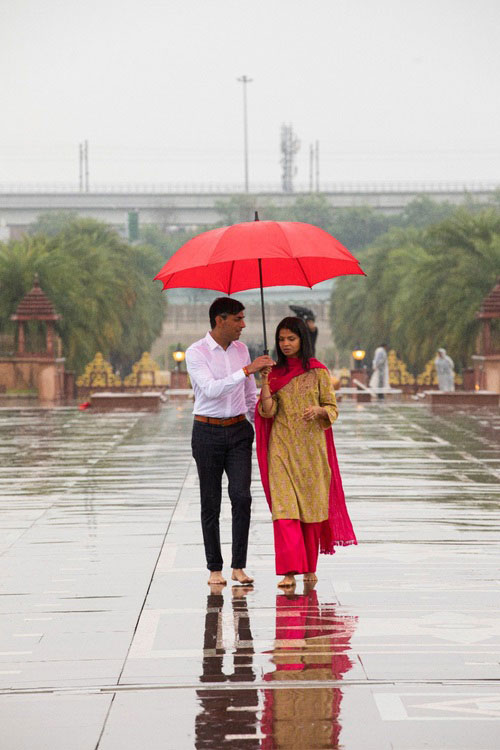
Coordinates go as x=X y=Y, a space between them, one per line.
x=299 y=473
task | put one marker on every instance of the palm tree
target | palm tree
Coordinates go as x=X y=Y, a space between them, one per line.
x=423 y=288
x=101 y=285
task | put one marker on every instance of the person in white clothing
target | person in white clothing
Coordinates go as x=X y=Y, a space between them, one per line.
x=380 y=375
x=445 y=371
x=225 y=395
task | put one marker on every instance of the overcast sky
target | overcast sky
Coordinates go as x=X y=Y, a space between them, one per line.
x=391 y=89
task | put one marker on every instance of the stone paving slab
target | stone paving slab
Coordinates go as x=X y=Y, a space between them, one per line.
x=110 y=637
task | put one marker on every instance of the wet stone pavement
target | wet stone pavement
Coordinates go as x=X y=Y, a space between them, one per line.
x=110 y=637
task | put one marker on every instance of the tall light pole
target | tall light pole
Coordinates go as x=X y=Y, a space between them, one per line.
x=244 y=80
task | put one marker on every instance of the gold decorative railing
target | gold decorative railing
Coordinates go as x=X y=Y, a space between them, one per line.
x=145 y=372
x=398 y=372
x=98 y=374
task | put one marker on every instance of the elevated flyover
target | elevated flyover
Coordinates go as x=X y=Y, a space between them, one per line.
x=189 y=205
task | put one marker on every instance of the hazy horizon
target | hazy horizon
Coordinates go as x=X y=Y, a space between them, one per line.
x=392 y=91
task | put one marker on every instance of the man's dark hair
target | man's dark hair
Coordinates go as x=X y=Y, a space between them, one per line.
x=224 y=306
x=299 y=328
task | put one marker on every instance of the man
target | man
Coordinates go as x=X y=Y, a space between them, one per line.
x=313 y=333
x=380 y=364
x=309 y=319
x=225 y=392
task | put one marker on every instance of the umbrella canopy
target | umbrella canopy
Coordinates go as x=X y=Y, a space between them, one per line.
x=258 y=254
x=227 y=259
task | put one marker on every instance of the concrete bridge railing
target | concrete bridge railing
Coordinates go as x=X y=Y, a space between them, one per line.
x=194 y=205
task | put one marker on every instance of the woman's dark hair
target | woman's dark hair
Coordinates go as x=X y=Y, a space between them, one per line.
x=297 y=326
x=224 y=306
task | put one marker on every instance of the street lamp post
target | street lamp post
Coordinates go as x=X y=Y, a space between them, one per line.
x=179 y=356
x=178 y=378
x=358 y=355
x=244 y=80
x=359 y=373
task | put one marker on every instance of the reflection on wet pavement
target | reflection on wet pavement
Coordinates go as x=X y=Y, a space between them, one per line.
x=311 y=644
x=110 y=637
x=229 y=715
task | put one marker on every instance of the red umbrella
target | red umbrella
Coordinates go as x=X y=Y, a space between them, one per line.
x=258 y=254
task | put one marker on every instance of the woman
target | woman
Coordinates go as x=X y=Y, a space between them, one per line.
x=297 y=457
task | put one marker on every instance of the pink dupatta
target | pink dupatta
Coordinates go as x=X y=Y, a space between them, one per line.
x=337 y=529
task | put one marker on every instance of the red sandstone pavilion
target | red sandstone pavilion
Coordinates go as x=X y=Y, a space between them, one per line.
x=42 y=371
x=487 y=362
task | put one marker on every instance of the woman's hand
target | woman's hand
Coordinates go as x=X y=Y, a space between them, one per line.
x=312 y=412
x=266 y=399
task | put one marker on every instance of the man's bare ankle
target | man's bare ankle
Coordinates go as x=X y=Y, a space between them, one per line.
x=239 y=574
x=216 y=577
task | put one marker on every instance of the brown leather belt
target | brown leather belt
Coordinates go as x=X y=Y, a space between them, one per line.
x=220 y=422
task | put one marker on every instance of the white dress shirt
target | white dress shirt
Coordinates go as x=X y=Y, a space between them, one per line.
x=221 y=388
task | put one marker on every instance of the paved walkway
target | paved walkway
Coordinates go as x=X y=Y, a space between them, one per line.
x=111 y=638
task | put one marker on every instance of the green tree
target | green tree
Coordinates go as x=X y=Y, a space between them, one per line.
x=423 y=211
x=312 y=209
x=422 y=290
x=237 y=208
x=360 y=226
x=102 y=287
x=242 y=207
x=456 y=273
x=19 y=261
x=165 y=242
x=52 y=222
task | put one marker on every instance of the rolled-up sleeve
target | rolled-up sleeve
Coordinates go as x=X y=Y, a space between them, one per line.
x=200 y=373
x=250 y=396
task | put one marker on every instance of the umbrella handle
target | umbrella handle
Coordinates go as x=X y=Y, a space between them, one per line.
x=266 y=350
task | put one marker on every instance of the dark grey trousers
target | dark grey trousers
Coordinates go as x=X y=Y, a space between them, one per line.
x=217 y=450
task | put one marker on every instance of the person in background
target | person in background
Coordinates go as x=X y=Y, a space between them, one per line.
x=297 y=458
x=309 y=318
x=313 y=332
x=445 y=371
x=380 y=375
x=224 y=388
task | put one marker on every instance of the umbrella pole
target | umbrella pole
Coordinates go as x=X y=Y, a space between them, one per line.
x=266 y=350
